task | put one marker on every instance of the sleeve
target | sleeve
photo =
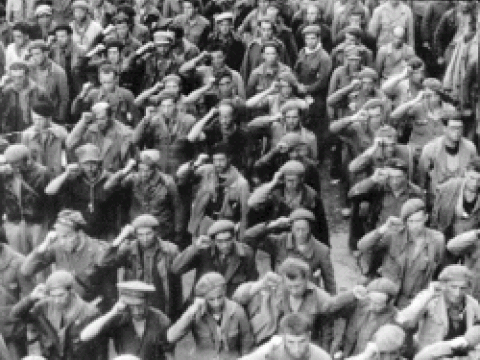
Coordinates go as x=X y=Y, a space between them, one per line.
x=247 y=339
x=328 y=276
x=187 y=260
x=37 y=261
x=64 y=95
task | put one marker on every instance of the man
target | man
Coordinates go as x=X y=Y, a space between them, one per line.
x=293 y=343
x=45 y=139
x=341 y=18
x=59 y=314
x=351 y=35
x=43 y=23
x=18 y=93
x=219 y=325
x=388 y=15
x=135 y=327
x=103 y=129
x=14 y=287
x=413 y=251
x=121 y=100
x=292 y=237
x=103 y=12
x=85 y=29
x=444 y=310
x=25 y=205
x=18 y=50
x=196 y=27
x=152 y=192
x=218 y=251
x=51 y=77
x=18 y=11
x=81 y=187
x=286 y=192
x=283 y=32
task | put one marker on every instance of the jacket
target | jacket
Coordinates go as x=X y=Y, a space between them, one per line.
x=431 y=19
x=445 y=32
x=253 y=57
x=313 y=70
x=385 y=18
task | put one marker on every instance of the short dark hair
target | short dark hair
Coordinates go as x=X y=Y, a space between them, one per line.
x=474 y=164
x=216 y=46
x=222 y=148
x=108 y=69
x=22 y=26
x=296 y=324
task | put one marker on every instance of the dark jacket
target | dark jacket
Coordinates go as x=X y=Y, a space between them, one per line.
x=431 y=19
x=445 y=32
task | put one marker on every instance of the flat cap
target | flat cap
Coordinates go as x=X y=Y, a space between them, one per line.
x=398 y=164
x=386 y=131
x=221 y=226
x=292 y=140
x=433 y=84
x=270 y=43
x=38 y=44
x=293 y=266
x=455 y=273
x=60 y=279
x=88 y=152
x=352 y=52
x=150 y=157
x=43 y=9
x=81 y=4
x=145 y=221
x=383 y=285
x=293 y=167
x=368 y=73
x=312 y=29
x=209 y=282
x=302 y=214
x=16 y=152
x=163 y=37
x=410 y=207
x=134 y=292
x=224 y=16
x=63 y=27
x=172 y=77
x=389 y=338
x=71 y=218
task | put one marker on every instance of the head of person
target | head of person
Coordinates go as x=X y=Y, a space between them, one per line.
x=19 y=73
x=123 y=26
x=296 y=329
x=135 y=295
x=114 y=51
x=59 y=287
x=293 y=173
x=178 y=33
x=90 y=161
x=224 y=22
x=292 y=112
x=353 y=36
x=389 y=340
x=168 y=105
x=163 y=41
x=302 y=220
x=42 y=111
x=388 y=140
x=145 y=226
x=267 y=28
x=39 y=52
x=67 y=227
x=263 y=5
x=432 y=90
x=311 y=34
x=63 y=35
x=222 y=158
x=172 y=84
x=212 y=287
x=356 y=19
x=457 y=282
x=465 y=6
x=44 y=15
x=225 y=84
x=472 y=175
x=295 y=146
x=376 y=114
x=312 y=14
x=222 y=232
x=148 y=166
x=190 y=7
x=414 y=216
x=452 y=127
x=21 y=33
x=273 y=12
x=226 y=115
x=81 y=10
x=18 y=156
x=126 y=13
x=296 y=274
x=398 y=36
x=418 y=70
x=103 y=115
x=353 y=58
x=108 y=77
x=288 y=84
x=382 y=293
x=218 y=54
x=397 y=174
x=369 y=78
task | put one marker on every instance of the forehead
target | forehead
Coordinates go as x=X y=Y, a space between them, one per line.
x=455 y=123
x=226 y=235
x=215 y=293
x=417 y=216
x=58 y=292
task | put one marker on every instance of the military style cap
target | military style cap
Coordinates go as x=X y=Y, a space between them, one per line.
x=71 y=218
x=163 y=37
x=88 y=152
x=16 y=152
x=220 y=226
x=386 y=131
x=294 y=266
x=224 y=16
x=270 y=43
x=145 y=221
x=389 y=338
x=150 y=157
x=455 y=273
x=398 y=164
x=293 y=167
x=302 y=214
x=134 y=292
x=209 y=282
x=81 y=4
x=293 y=104
x=368 y=73
x=60 y=279
x=312 y=29
x=43 y=9
x=410 y=207
x=383 y=285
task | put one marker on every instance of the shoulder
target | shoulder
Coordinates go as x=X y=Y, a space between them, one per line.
x=318 y=353
x=59 y=131
x=244 y=250
x=163 y=319
x=321 y=248
x=469 y=145
x=437 y=237
x=169 y=247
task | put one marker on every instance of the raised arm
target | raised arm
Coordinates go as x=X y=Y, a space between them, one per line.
x=256 y=100
x=389 y=87
x=190 y=65
x=96 y=327
x=75 y=137
x=261 y=194
x=197 y=129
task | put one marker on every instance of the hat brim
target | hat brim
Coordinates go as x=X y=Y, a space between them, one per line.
x=132 y=300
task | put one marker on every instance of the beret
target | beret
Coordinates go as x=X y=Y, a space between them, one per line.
x=302 y=214
x=16 y=152
x=433 y=84
x=209 y=282
x=410 y=207
x=224 y=16
x=150 y=157
x=386 y=131
x=368 y=73
x=312 y=29
x=294 y=266
x=352 y=52
x=473 y=336
x=163 y=37
x=38 y=44
x=71 y=218
x=60 y=279
x=220 y=226
x=43 y=108
x=374 y=103
x=398 y=164
x=292 y=140
x=43 y=9
x=293 y=167
x=81 y=4
x=134 y=292
x=63 y=27
x=455 y=272
x=114 y=44
x=172 y=77
x=383 y=285
x=145 y=220
x=88 y=152
x=389 y=338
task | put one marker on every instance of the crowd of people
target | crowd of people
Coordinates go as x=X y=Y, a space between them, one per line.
x=161 y=164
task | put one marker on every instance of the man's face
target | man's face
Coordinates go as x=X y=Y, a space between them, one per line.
x=416 y=222
x=62 y=37
x=270 y=55
x=292 y=181
x=355 y=20
x=472 y=180
x=19 y=78
x=388 y=146
x=301 y=231
x=146 y=237
x=145 y=171
x=79 y=14
x=297 y=346
x=215 y=300
x=38 y=56
x=455 y=291
x=167 y=108
x=162 y=49
x=225 y=27
x=138 y=311
x=295 y=285
x=312 y=14
x=377 y=302
x=292 y=120
x=61 y=298
x=19 y=38
x=221 y=163
x=188 y=9
x=396 y=179
x=376 y=118
x=354 y=63
x=40 y=122
x=122 y=30
x=272 y=13
x=108 y=81
x=368 y=85
x=67 y=237
x=172 y=86
x=91 y=169
x=395 y=2
x=311 y=41
x=225 y=86
x=102 y=118
x=44 y=20
x=113 y=55
x=418 y=76
x=266 y=30
x=224 y=242
x=454 y=130
x=263 y=5
x=225 y=117
x=218 y=59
